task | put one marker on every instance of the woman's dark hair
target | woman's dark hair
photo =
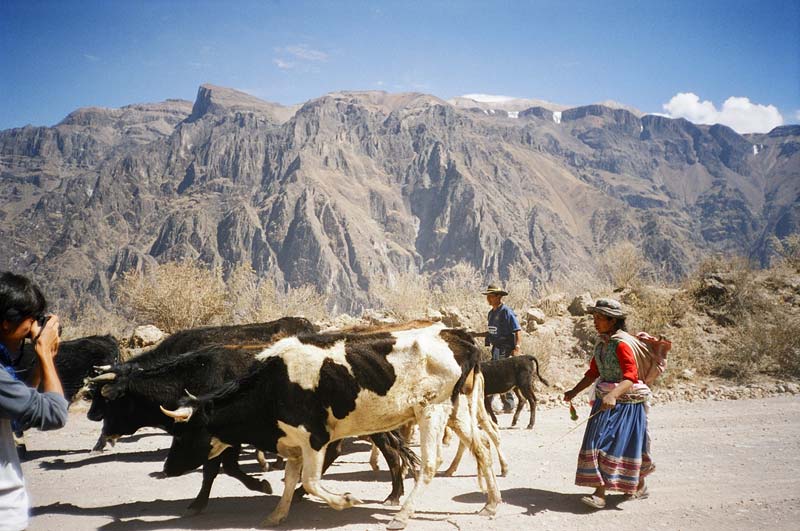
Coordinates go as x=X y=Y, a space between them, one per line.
x=19 y=298
x=619 y=324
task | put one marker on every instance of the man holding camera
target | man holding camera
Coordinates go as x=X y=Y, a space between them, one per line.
x=22 y=316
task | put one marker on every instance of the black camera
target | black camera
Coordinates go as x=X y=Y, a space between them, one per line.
x=42 y=319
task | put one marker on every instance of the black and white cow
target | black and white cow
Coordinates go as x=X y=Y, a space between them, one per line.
x=131 y=394
x=312 y=390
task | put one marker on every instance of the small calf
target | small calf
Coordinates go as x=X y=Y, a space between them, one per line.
x=515 y=373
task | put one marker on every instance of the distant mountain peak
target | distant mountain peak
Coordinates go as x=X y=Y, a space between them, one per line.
x=212 y=99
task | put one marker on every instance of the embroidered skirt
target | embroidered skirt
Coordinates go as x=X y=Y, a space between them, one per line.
x=616 y=448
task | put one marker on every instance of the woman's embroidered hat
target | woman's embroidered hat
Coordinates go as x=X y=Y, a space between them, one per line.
x=608 y=307
x=494 y=290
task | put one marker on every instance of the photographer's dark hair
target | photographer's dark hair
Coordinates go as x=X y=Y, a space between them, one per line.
x=20 y=298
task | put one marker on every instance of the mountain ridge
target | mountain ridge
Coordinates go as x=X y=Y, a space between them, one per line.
x=353 y=187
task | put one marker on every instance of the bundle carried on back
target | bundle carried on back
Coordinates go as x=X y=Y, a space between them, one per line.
x=649 y=352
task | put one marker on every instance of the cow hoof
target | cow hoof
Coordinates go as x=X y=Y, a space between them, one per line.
x=351 y=500
x=272 y=520
x=192 y=511
x=488 y=510
x=448 y=473
x=391 y=502
x=266 y=488
x=396 y=524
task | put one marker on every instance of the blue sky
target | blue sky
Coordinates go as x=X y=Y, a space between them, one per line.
x=733 y=61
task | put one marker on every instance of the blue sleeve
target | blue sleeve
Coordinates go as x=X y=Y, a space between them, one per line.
x=513 y=322
x=32 y=409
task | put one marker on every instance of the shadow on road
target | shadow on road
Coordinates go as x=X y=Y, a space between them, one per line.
x=535 y=500
x=240 y=512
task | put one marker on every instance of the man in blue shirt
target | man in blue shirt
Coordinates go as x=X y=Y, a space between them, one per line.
x=504 y=333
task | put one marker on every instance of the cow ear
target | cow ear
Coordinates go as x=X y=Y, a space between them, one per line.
x=112 y=391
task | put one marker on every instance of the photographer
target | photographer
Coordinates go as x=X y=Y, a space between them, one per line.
x=22 y=315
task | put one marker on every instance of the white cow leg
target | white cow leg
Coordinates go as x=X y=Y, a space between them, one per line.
x=479 y=445
x=431 y=420
x=373 y=458
x=312 y=470
x=456 y=460
x=291 y=477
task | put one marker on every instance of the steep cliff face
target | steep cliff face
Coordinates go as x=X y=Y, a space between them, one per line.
x=351 y=188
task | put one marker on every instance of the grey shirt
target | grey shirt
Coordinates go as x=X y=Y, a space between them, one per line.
x=45 y=411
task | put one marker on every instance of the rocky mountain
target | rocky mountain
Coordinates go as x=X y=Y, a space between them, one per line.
x=357 y=186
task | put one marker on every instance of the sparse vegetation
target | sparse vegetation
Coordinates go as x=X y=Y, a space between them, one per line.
x=728 y=319
x=177 y=295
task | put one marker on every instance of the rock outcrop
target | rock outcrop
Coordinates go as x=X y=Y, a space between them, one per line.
x=353 y=187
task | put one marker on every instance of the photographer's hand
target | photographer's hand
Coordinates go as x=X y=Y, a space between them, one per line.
x=45 y=344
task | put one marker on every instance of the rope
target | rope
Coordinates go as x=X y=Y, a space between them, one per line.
x=575 y=427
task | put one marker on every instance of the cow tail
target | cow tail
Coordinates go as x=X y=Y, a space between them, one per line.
x=536 y=365
x=407 y=456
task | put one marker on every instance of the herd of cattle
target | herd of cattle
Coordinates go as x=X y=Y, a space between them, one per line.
x=286 y=388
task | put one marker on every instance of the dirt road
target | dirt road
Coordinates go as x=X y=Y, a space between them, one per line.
x=720 y=465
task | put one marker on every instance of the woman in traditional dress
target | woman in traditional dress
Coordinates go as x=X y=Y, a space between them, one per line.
x=615 y=450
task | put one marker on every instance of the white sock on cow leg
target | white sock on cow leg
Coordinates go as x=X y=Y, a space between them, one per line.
x=291 y=477
x=431 y=420
x=312 y=470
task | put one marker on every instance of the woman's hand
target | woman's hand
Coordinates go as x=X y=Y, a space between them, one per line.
x=569 y=395
x=609 y=401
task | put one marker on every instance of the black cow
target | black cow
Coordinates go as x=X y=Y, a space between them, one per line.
x=127 y=396
x=75 y=361
x=312 y=390
x=515 y=373
x=252 y=336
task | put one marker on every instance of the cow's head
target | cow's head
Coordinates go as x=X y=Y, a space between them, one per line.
x=191 y=441
x=122 y=410
x=93 y=390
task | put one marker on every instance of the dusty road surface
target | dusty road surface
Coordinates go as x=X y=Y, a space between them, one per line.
x=720 y=465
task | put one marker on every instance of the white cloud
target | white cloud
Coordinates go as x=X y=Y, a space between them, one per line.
x=797 y=115
x=283 y=65
x=488 y=98
x=307 y=54
x=90 y=57
x=738 y=113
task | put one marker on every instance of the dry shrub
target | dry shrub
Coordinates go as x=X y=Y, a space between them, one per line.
x=242 y=294
x=92 y=319
x=788 y=250
x=302 y=301
x=622 y=263
x=177 y=295
x=460 y=286
x=655 y=310
x=768 y=344
x=520 y=287
x=541 y=345
x=573 y=284
x=726 y=289
x=406 y=296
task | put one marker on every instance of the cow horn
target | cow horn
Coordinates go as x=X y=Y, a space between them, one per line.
x=98 y=369
x=190 y=395
x=105 y=377
x=182 y=414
